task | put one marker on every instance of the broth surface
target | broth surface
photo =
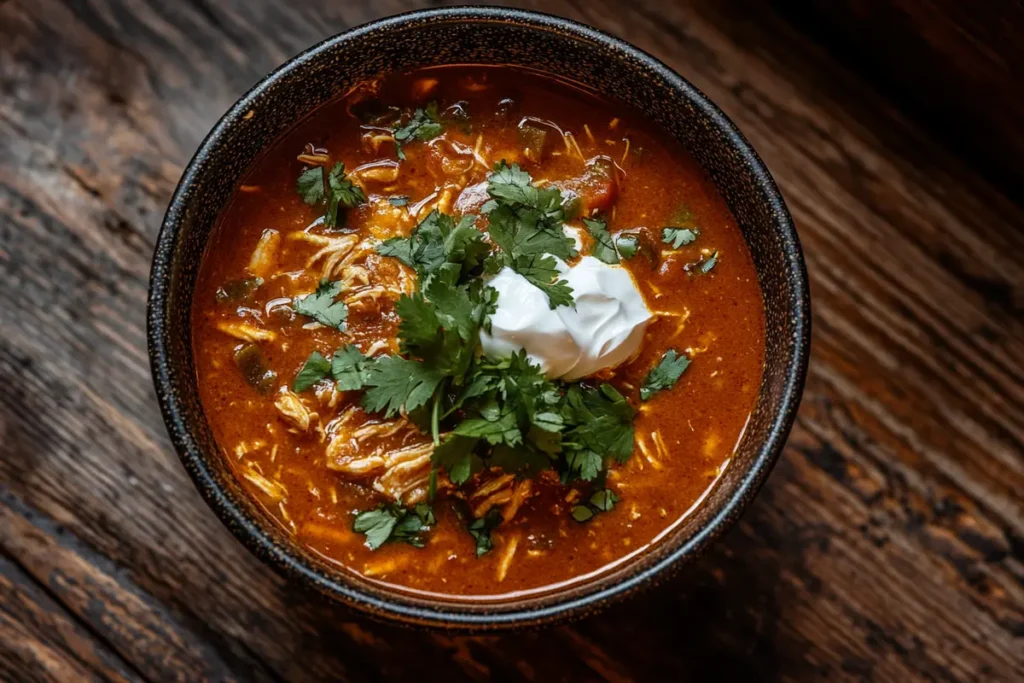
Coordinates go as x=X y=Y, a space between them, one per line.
x=684 y=435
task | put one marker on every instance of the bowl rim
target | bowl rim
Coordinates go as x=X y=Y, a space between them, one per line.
x=254 y=536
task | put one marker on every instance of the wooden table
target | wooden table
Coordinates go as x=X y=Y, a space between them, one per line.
x=888 y=545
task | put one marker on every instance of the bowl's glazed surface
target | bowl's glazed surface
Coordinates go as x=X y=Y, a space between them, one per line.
x=481 y=36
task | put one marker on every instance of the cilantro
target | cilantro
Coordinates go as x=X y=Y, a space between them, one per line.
x=398 y=200
x=503 y=429
x=336 y=190
x=348 y=368
x=455 y=455
x=678 y=237
x=396 y=383
x=604 y=246
x=436 y=241
x=525 y=222
x=313 y=370
x=424 y=124
x=311 y=185
x=343 y=192
x=627 y=245
x=541 y=271
x=665 y=374
x=601 y=501
x=321 y=306
x=393 y=523
x=480 y=530
x=706 y=264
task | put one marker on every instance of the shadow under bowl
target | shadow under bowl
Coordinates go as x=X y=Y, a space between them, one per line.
x=478 y=36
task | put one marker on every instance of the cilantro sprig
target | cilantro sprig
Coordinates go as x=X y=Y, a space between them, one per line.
x=525 y=222
x=332 y=189
x=424 y=124
x=322 y=307
x=665 y=374
x=600 y=501
x=393 y=523
x=347 y=367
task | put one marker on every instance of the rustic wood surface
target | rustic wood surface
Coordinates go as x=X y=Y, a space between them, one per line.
x=888 y=545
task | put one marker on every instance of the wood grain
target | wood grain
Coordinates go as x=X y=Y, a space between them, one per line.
x=888 y=544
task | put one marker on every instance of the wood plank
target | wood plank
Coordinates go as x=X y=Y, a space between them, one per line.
x=40 y=641
x=887 y=544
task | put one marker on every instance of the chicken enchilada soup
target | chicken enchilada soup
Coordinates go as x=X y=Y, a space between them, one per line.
x=476 y=332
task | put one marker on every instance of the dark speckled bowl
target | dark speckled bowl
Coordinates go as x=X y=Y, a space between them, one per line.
x=484 y=36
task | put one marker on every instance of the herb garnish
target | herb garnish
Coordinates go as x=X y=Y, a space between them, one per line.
x=394 y=523
x=424 y=125
x=679 y=237
x=313 y=370
x=665 y=374
x=480 y=530
x=336 y=190
x=321 y=306
x=346 y=367
x=600 y=501
x=704 y=265
x=526 y=223
x=604 y=244
x=627 y=245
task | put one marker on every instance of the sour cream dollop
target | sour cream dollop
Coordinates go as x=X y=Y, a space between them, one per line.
x=604 y=328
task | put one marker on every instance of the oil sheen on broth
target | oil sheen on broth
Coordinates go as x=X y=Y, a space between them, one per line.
x=539 y=506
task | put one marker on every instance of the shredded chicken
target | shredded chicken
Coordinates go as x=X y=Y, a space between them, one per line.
x=508 y=551
x=378 y=172
x=274 y=490
x=246 y=332
x=263 y=261
x=401 y=474
x=292 y=410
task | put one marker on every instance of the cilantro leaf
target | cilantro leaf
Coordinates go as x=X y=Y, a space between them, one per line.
x=707 y=263
x=665 y=374
x=541 y=271
x=321 y=306
x=600 y=501
x=604 y=246
x=334 y=189
x=310 y=185
x=604 y=500
x=504 y=429
x=396 y=383
x=424 y=124
x=313 y=370
x=519 y=231
x=525 y=222
x=436 y=241
x=585 y=464
x=480 y=530
x=348 y=368
x=393 y=523
x=627 y=245
x=343 y=193
x=678 y=237
x=455 y=454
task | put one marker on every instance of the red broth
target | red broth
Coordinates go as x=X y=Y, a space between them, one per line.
x=282 y=452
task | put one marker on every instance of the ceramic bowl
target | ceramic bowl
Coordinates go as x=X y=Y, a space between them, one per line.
x=482 y=36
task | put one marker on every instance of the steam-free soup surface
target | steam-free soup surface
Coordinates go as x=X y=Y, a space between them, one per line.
x=314 y=457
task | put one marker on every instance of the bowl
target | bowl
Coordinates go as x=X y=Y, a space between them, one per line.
x=483 y=36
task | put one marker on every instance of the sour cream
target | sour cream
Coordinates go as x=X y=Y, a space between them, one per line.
x=604 y=329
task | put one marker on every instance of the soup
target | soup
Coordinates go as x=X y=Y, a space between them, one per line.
x=473 y=331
